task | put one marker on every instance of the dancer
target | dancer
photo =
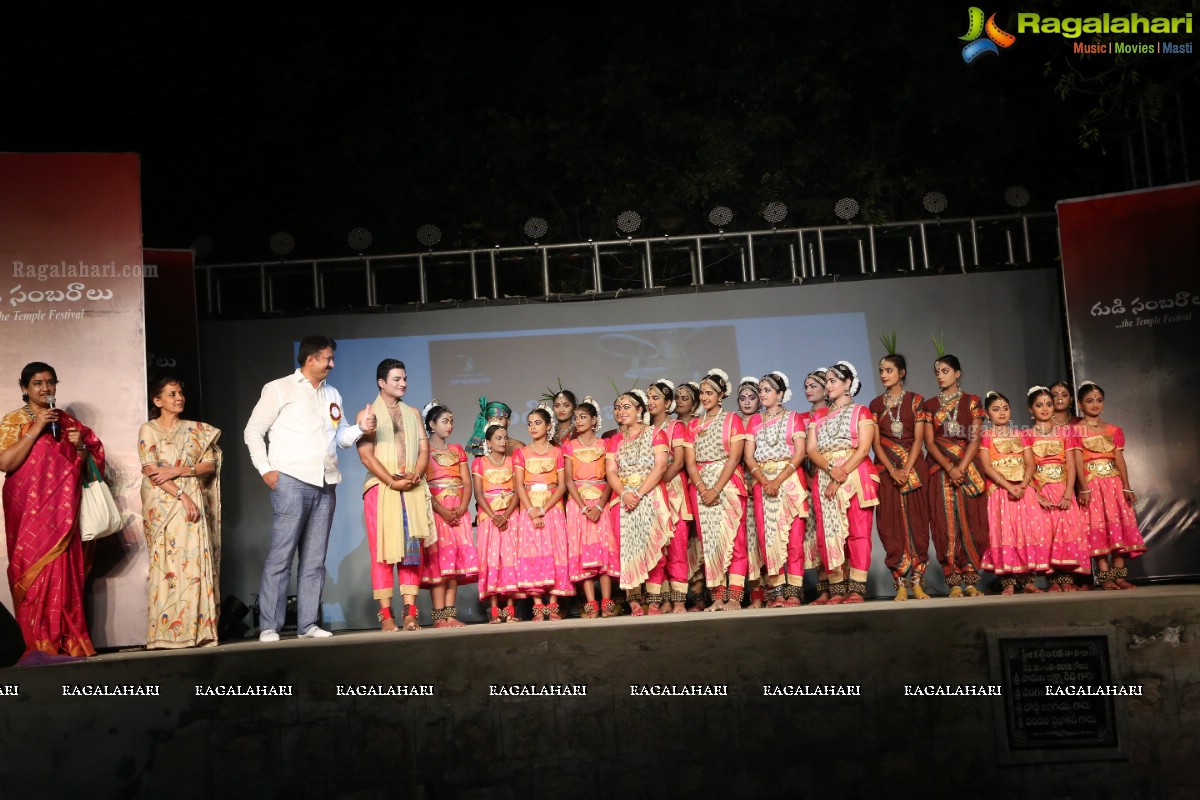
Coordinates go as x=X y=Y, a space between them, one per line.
x=957 y=505
x=1054 y=477
x=591 y=540
x=495 y=503
x=1112 y=529
x=635 y=464
x=448 y=475
x=773 y=454
x=491 y=412
x=1018 y=537
x=814 y=393
x=748 y=408
x=715 y=468
x=542 y=534
x=562 y=403
x=397 y=509
x=838 y=445
x=687 y=395
x=660 y=399
x=903 y=518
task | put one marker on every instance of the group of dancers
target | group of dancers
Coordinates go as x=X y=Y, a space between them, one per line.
x=688 y=506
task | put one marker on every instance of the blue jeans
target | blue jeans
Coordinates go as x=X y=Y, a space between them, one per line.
x=303 y=516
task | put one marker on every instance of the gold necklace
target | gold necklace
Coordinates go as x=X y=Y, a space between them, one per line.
x=493 y=460
x=542 y=453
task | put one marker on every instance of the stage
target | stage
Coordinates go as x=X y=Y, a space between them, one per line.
x=844 y=700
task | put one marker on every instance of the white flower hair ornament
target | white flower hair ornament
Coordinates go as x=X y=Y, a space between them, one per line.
x=787 y=385
x=723 y=387
x=430 y=406
x=855 y=383
x=1037 y=387
x=671 y=387
x=638 y=393
x=594 y=407
x=748 y=380
x=1082 y=384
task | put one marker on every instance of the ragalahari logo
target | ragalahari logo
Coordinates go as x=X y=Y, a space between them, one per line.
x=976 y=27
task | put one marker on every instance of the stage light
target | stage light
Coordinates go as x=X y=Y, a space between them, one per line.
x=1016 y=196
x=359 y=239
x=535 y=228
x=720 y=216
x=774 y=212
x=203 y=246
x=628 y=222
x=429 y=235
x=282 y=243
x=846 y=209
x=934 y=202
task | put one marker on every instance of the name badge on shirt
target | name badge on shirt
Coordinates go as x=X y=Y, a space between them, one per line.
x=335 y=414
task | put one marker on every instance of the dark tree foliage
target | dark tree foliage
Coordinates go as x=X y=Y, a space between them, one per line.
x=474 y=118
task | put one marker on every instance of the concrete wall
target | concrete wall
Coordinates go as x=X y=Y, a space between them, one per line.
x=461 y=743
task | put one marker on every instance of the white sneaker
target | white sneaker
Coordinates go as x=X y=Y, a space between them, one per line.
x=268 y=636
x=315 y=632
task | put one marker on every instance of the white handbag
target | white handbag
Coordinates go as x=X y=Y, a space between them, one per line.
x=98 y=513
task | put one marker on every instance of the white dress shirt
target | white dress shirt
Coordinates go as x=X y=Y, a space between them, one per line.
x=304 y=424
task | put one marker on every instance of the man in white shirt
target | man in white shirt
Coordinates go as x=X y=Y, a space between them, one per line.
x=303 y=417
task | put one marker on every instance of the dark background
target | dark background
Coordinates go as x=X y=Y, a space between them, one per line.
x=388 y=116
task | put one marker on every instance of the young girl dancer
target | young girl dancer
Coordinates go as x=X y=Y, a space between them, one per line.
x=590 y=533
x=903 y=518
x=748 y=408
x=773 y=454
x=496 y=502
x=454 y=557
x=1018 y=538
x=686 y=401
x=660 y=399
x=1107 y=499
x=957 y=505
x=1054 y=476
x=814 y=393
x=563 y=405
x=635 y=464
x=715 y=468
x=838 y=445
x=540 y=487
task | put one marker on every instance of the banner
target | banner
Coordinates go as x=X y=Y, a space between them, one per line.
x=71 y=295
x=1131 y=277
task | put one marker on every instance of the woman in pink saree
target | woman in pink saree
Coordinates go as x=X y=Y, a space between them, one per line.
x=41 y=516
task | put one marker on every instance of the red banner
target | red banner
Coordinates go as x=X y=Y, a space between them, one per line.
x=71 y=296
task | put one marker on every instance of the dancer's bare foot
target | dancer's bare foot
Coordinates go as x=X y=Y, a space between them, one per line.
x=388 y=625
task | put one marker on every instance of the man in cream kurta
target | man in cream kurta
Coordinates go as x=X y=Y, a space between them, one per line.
x=397 y=508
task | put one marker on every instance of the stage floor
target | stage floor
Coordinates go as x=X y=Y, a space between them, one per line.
x=603 y=707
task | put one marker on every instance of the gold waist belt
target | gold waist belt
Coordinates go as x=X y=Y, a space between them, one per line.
x=1050 y=473
x=591 y=489
x=1102 y=468
x=833 y=455
x=1011 y=467
x=773 y=467
x=632 y=481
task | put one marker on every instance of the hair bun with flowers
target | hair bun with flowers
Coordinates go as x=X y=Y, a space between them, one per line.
x=641 y=395
x=670 y=390
x=594 y=408
x=855 y=383
x=430 y=407
x=783 y=383
x=722 y=376
x=432 y=404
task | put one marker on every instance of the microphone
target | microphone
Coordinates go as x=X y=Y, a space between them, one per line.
x=55 y=428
